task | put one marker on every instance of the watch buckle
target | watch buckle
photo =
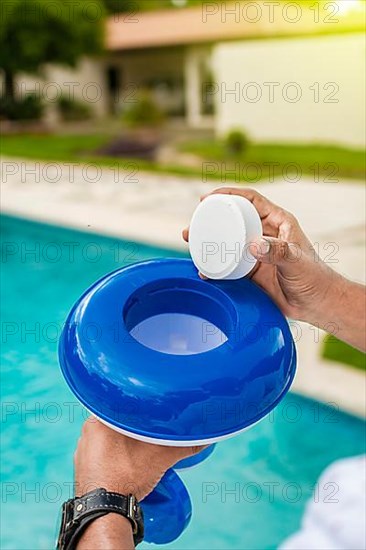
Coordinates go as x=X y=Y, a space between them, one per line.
x=132 y=512
x=68 y=516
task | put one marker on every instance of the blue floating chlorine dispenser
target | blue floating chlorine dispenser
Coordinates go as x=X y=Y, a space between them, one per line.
x=174 y=352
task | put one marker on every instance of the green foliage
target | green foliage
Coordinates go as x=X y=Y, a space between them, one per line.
x=335 y=350
x=236 y=142
x=72 y=109
x=145 y=112
x=28 y=108
x=34 y=32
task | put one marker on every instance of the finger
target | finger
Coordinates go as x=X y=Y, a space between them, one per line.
x=179 y=453
x=272 y=251
x=272 y=215
x=185 y=234
x=203 y=277
x=266 y=277
x=262 y=204
x=253 y=271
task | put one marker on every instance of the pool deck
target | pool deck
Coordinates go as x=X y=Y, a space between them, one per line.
x=155 y=208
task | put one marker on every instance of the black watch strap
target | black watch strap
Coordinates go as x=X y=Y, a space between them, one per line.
x=81 y=511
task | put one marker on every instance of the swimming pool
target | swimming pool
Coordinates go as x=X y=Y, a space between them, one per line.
x=250 y=494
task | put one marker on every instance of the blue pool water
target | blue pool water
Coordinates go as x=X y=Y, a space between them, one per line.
x=250 y=494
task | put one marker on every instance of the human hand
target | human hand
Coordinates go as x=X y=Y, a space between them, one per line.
x=288 y=268
x=105 y=458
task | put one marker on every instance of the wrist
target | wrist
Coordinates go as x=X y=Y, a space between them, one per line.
x=326 y=306
x=101 y=519
x=109 y=532
x=123 y=485
x=342 y=311
x=326 y=300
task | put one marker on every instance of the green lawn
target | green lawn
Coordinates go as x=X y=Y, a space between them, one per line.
x=324 y=163
x=77 y=148
x=50 y=147
x=335 y=350
x=260 y=162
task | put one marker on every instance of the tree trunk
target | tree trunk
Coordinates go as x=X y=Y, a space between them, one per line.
x=9 y=84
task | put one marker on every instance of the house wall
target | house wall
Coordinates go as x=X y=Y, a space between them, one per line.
x=325 y=101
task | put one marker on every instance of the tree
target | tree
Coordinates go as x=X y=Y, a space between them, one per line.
x=35 y=32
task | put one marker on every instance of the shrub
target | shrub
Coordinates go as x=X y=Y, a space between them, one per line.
x=145 y=112
x=236 y=142
x=28 y=108
x=72 y=109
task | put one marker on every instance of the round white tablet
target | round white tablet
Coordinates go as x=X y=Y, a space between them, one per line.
x=221 y=229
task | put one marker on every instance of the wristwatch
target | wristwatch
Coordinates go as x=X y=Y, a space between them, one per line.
x=79 y=512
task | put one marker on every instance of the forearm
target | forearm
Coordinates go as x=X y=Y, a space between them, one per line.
x=110 y=532
x=343 y=312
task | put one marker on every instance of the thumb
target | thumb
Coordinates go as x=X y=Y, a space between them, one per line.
x=269 y=250
x=176 y=454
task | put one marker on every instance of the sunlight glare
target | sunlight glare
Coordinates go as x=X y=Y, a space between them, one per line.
x=345 y=6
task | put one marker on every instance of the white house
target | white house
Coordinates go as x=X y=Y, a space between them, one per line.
x=282 y=72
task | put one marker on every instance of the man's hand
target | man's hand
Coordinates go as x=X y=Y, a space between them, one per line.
x=301 y=284
x=105 y=458
x=288 y=269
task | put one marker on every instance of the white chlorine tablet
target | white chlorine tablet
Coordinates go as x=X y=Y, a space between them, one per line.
x=221 y=229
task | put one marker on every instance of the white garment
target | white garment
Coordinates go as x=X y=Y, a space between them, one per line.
x=334 y=518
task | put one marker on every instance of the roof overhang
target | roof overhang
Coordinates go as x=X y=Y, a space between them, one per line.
x=210 y=23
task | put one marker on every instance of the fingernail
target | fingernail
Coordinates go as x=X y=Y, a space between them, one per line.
x=263 y=246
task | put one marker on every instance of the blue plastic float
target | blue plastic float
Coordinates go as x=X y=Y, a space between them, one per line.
x=160 y=355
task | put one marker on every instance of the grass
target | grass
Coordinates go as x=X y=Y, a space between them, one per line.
x=325 y=163
x=335 y=350
x=78 y=148
x=260 y=162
